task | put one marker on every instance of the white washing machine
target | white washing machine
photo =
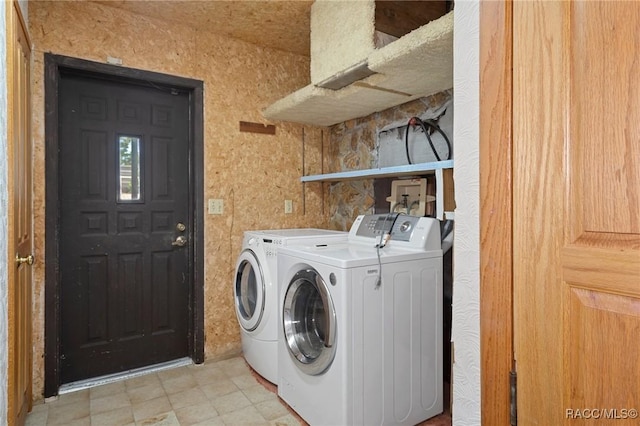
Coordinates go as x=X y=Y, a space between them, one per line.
x=256 y=291
x=361 y=333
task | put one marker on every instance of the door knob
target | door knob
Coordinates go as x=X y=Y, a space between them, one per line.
x=180 y=241
x=28 y=260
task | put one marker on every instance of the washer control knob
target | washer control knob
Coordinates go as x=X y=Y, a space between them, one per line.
x=405 y=226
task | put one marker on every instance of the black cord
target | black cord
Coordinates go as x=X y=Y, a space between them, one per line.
x=390 y=217
x=434 y=125
x=417 y=121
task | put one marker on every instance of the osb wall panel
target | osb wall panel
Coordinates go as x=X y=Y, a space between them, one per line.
x=252 y=173
x=353 y=146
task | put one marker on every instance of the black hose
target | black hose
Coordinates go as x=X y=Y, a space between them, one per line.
x=417 y=121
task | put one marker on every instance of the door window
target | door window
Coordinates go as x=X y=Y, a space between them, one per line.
x=129 y=173
x=309 y=322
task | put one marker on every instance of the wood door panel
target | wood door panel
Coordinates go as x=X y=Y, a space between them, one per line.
x=162 y=158
x=161 y=291
x=602 y=269
x=95 y=294
x=603 y=355
x=93 y=170
x=131 y=281
x=604 y=115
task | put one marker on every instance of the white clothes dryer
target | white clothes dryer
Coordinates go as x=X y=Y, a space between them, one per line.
x=256 y=291
x=361 y=333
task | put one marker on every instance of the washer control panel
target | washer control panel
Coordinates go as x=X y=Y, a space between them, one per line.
x=400 y=226
x=401 y=229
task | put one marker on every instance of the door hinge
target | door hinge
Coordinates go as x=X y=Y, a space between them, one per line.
x=513 y=406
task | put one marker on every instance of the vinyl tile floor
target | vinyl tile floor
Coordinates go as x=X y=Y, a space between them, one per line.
x=224 y=392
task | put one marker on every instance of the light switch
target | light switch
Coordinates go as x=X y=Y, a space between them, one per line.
x=288 y=206
x=216 y=206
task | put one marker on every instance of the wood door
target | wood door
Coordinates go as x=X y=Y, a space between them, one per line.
x=20 y=220
x=124 y=207
x=576 y=211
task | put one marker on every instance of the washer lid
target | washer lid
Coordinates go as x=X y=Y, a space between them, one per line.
x=352 y=255
x=299 y=233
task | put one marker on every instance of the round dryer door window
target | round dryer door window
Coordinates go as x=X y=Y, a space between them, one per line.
x=309 y=321
x=249 y=291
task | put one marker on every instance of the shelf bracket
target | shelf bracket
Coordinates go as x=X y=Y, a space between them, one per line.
x=439 y=194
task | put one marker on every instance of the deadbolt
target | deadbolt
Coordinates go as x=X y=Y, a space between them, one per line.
x=180 y=227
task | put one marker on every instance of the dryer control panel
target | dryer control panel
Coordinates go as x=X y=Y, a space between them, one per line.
x=404 y=230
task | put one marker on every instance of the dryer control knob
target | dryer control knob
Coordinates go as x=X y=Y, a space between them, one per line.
x=251 y=241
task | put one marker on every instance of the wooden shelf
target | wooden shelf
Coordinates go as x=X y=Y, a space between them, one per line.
x=395 y=171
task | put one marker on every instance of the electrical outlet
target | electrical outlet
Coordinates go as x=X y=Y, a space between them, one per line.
x=216 y=206
x=288 y=206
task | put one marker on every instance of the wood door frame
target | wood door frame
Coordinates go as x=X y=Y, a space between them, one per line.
x=496 y=213
x=53 y=66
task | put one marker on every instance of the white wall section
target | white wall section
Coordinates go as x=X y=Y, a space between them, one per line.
x=466 y=255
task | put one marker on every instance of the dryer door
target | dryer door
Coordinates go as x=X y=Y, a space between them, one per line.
x=249 y=290
x=309 y=321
